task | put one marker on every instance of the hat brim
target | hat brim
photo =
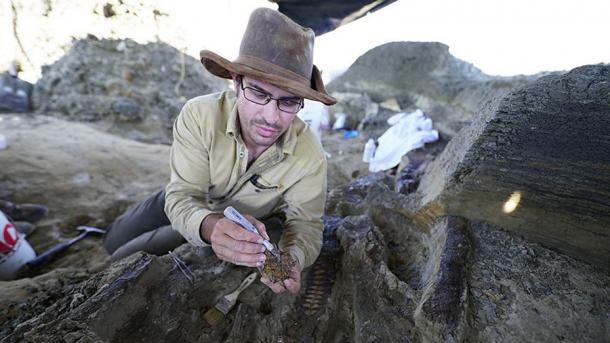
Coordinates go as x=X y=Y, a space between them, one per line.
x=222 y=67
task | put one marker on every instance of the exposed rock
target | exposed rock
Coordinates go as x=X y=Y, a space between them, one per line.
x=126 y=88
x=512 y=285
x=441 y=313
x=356 y=106
x=148 y=298
x=424 y=75
x=536 y=162
x=380 y=277
x=523 y=292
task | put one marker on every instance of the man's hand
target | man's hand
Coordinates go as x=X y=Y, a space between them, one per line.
x=233 y=243
x=292 y=284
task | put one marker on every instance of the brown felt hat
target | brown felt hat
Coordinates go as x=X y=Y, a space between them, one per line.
x=276 y=50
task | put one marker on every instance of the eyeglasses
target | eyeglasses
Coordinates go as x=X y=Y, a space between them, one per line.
x=260 y=97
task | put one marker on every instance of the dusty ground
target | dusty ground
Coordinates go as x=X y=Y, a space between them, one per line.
x=344 y=157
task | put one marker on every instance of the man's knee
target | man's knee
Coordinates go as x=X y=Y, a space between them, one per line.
x=143 y=217
x=157 y=242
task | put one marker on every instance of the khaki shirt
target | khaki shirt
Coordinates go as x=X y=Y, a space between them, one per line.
x=208 y=162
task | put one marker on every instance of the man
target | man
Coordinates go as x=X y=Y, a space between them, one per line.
x=245 y=149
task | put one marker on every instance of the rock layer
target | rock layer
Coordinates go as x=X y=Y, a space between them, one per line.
x=537 y=162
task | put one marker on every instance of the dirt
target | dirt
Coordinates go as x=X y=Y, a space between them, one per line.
x=278 y=269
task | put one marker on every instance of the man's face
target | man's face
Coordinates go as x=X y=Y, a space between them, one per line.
x=262 y=125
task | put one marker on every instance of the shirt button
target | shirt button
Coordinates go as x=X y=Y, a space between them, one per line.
x=241 y=154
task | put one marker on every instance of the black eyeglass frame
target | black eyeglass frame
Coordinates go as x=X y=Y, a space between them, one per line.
x=269 y=97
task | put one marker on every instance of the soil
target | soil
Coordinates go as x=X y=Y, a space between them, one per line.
x=278 y=269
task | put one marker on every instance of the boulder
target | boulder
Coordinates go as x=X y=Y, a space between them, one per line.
x=126 y=88
x=424 y=75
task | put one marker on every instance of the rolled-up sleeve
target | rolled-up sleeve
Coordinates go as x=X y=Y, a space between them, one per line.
x=305 y=201
x=186 y=193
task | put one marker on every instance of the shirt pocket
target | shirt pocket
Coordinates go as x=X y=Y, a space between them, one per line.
x=258 y=197
x=261 y=184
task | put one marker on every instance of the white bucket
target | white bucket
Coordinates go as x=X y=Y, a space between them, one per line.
x=3 y=142
x=15 y=251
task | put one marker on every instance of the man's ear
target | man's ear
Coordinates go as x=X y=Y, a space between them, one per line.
x=236 y=79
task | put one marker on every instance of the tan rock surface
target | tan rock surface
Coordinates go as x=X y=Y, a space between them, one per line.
x=83 y=175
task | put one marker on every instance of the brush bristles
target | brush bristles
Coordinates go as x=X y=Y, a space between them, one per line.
x=213 y=316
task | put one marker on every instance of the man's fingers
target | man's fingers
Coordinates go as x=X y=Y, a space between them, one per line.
x=239 y=233
x=275 y=287
x=250 y=260
x=244 y=247
x=292 y=285
x=236 y=238
x=295 y=273
x=263 y=231
x=259 y=226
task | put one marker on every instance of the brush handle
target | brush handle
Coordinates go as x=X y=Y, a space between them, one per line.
x=244 y=284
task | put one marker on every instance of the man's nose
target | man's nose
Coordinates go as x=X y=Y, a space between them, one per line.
x=271 y=113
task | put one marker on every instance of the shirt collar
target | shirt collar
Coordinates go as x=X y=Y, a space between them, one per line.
x=232 y=126
x=288 y=141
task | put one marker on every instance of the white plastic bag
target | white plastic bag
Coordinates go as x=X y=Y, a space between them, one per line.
x=3 y=142
x=409 y=132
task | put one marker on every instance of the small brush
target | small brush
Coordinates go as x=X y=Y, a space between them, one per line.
x=217 y=313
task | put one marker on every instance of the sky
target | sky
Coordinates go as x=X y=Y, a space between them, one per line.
x=500 y=37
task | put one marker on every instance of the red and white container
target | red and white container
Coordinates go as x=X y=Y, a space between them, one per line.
x=15 y=251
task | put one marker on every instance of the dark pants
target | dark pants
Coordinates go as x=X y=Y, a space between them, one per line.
x=143 y=227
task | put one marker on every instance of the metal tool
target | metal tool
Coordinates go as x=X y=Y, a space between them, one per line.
x=188 y=273
x=232 y=214
x=47 y=255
